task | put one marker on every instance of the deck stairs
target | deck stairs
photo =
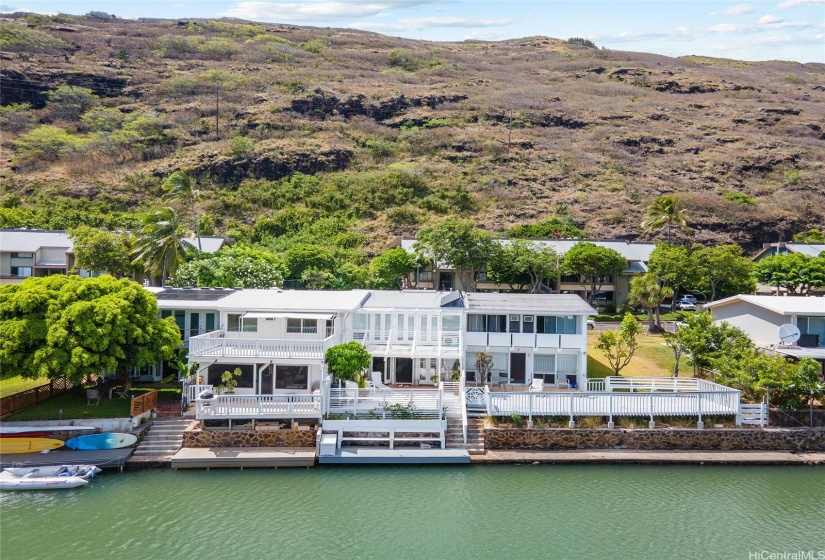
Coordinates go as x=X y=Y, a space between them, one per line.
x=453 y=402
x=164 y=437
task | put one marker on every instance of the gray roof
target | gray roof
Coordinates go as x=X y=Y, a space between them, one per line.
x=294 y=300
x=810 y=249
x=409 y=299
x=210 y=244
x=570 y=304
x=30 y=240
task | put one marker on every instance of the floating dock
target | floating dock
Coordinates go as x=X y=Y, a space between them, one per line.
x=103 y=458
x=398 y=456
x=240 y=457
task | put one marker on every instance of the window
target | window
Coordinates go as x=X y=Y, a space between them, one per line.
x=496 y=323
x=556 y=325
x=292 y=377
x=544 y=367
x=425 y=276
x=567 y=363
x=476 y=323
x=527 y=324
x=22 y=255
x=482 y=277
x=249 y=325
x=445 y=282
x=306 y=326
x=451 y=322
x=515 y=323
x=359 y=322
x=21 y=271
x=233 y=322
x=210 y=322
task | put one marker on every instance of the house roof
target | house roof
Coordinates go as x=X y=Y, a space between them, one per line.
x=409 y=299
x=808 y=306
x=210 y=244
x=30 y=240
x=810 y=249
x=569 y=304
x=630 y=251
x=294 y=300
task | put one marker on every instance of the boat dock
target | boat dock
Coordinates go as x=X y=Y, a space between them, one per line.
x=240 y=457
x=103 y=458
x=398 y=456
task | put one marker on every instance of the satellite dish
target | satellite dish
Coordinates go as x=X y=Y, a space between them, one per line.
x=788 y=333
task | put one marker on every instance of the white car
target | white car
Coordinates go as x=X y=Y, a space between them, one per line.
x=685 y=305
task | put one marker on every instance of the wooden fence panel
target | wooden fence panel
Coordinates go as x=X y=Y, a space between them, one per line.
x=31 y=397
x=144 y=402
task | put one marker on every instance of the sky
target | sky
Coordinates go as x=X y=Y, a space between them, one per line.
x=757 y=30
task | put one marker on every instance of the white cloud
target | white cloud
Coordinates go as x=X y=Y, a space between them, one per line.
x=788 y=4
x=417 y=24
x=315 y=11
x=484 y=36
x=675 y=34
x=738 y=10
x=769 y=19
x=766 y=23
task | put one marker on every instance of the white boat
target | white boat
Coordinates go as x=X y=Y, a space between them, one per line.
x=9 y=481
x=83 y=471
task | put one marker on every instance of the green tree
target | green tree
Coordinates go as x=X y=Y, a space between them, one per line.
x=67 y=326
x=645 y=290
x=99 y=251
x=724 y=269
x=520 y=261
x=160 y=248
x=457 y=244
x=348 y=361
x=234 y=266
x=795 y=272
x=811 y=236
x=665 y=212
x=676 y=266
x=620 y=346
x=388 y=270
x=46 y=142
x=551 y=228
x=593 y=265
x=69 y=102
x=705 y=340
x=179 y=186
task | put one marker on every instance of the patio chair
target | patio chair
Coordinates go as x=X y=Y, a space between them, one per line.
x=377 y=384
x=92 y=395
x=124 y=391
x=537 y=386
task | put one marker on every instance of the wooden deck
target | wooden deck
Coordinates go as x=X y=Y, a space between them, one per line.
x=103 y=458
x=240 y=457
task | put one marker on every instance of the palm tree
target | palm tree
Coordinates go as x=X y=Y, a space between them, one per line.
x=160 y=246
x=179 y=186
x=645 y=290
x=665 y=212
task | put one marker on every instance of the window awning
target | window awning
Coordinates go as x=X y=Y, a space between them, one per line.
x=286 y=315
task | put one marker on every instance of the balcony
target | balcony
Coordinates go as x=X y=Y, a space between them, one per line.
x=526 y=340
x=217 y=345
x=445 y=340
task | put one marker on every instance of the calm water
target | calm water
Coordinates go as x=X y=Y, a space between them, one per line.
x=611 y=511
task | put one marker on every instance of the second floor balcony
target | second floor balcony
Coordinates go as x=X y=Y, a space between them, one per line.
x=220 y=344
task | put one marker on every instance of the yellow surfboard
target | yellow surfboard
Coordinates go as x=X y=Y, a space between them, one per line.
x=27 y=444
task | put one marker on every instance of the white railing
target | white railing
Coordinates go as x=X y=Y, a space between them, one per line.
x=611 y=404
x=380 y=404
x=661 y=384
x=596 y=385
x=230 y=407
x=212 y=346
x=193 y=391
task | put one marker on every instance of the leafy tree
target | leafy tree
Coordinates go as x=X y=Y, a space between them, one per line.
x=645 y=290
x=69 y=102
x=523 y=262
x=581 y=42
x=592 y=264
x=665 y=212
x=67 y=326
x=484 y=364
x=796 y=272
x=724 y=269
x=755 y=373
x=810 y=236
x=99 y=251
x=620 y=346
x=160 y=248
x=457 y=244
x=46 y=142
x=676 y=266
x=403 y=58
x=301 y=257
x=388 y=270
x=235 y=266
x=348 y=361
x=552 y=228
x=705 y=340
x=179 y=186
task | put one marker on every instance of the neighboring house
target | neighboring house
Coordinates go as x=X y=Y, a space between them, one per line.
x=278 y=338
x=784 y=248
x=614 y=290
x=761 y=316
x=27 y=253
x=209 y=243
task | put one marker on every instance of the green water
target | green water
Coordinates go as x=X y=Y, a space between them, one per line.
x=503 y=511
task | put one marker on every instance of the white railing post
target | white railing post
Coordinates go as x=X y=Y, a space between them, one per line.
x=610 y=423
x=652 y=424
x=572 y=423
x=530 y=409
x=700 y=425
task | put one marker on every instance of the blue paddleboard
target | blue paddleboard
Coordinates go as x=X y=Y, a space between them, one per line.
x=101 y=441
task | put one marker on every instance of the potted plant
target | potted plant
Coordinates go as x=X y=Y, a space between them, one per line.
x=229 y=380
x=455 y=375
x=434 y=378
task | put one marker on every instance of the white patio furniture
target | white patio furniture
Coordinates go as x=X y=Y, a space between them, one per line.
x=537 y=386
x=377 y=384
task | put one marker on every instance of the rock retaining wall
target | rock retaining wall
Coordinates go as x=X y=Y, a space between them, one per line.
x=195 y=437
x=662 y=439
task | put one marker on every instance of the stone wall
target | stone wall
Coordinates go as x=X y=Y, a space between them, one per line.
x=196 y=437
x=768 y=439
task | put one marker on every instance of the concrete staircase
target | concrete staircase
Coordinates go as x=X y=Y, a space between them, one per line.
x=164 y=437
x=455 y=435
x=170 y=409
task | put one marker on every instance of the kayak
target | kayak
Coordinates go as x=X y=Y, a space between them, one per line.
x=102 y=441
x=83 y=471
x=9 y=481
x=25 y=444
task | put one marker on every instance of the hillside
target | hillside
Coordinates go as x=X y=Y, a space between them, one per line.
x=390 y=134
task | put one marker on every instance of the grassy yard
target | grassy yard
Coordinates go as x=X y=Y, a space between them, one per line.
x=652 y=359
x=17 y=384
x=74 y=405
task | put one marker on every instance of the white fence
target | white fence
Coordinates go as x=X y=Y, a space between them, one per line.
x=232 y=407
x=214 y=344
x=384 y=404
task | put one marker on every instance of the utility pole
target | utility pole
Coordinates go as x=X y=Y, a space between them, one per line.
x=217 y=110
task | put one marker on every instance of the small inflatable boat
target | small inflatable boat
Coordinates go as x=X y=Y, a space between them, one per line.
x=10 y=481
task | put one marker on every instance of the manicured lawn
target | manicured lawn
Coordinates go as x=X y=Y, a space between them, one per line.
x=16 y=384
x=652 y=359
x=74 y=405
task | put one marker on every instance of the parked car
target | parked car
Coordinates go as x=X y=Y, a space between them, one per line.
x=686 y=305
x=591 y=324
x=689 y=298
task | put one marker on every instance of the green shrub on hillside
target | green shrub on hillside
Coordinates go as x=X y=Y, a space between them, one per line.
x=17 y=38
x=47 y=142
x=16 y=117
x=69 y=102
x=581 y=42
x=103 y=119
x=739 y=197
x=240 y=146
x=219 y=48
x=403 y=58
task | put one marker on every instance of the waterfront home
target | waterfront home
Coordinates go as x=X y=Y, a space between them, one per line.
x=614 y=289
x=761 y=317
